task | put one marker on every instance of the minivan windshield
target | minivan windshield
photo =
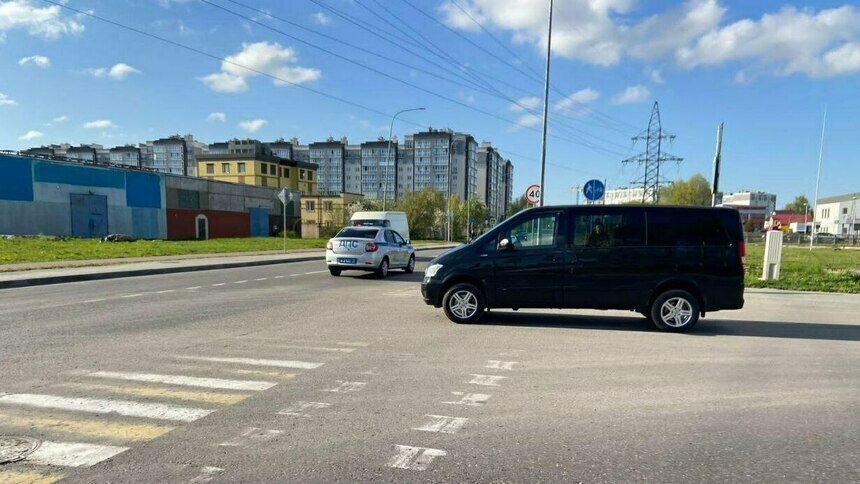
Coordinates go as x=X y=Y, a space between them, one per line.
x=357 y=233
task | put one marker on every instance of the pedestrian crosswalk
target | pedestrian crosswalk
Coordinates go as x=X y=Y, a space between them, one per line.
x=87 y=417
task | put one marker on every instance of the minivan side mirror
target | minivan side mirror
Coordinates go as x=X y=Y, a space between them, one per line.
x=505 y=244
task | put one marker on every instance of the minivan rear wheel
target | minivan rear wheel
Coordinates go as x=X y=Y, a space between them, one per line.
x=675 y=310
x=464 y=303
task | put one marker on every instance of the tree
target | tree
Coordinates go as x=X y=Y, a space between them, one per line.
x=799 y=205
x=421 y=210
x=694 y=192
x=516 y=205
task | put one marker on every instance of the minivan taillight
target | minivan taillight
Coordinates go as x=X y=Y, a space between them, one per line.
x=329 y=245
x=371 y=247
x=742 y=254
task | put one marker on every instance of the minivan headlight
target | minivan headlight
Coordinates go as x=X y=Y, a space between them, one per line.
x=432 y=270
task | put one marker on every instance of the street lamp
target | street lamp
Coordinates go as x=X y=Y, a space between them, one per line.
x=388 y=155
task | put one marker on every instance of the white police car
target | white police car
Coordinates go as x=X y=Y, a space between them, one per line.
x=375 y=249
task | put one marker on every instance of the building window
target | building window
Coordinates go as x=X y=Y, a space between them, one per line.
x=225 y=167
x=310 y=176
x=310 y=206
x=327 y=206
x=301 y=174
x=286 y=172
x=241 y=168
x=210 y=168
x=845 y=211
x=264 y=168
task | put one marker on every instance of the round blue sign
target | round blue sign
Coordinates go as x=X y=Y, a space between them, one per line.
x=593 y=190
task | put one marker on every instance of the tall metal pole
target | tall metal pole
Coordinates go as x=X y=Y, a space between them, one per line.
x=388 y=156
x=715 y=189
x=545 y=106
x=285 y=226
x=450 y=160
x=818 y=178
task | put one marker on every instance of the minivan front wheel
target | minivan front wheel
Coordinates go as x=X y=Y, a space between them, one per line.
x=675 y=310
x=464 y=303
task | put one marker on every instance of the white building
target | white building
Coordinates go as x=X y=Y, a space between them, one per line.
x=618 y=196
x=839 y=215
x=746 y=198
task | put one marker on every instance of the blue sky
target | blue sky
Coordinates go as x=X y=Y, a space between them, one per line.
x=765 y=68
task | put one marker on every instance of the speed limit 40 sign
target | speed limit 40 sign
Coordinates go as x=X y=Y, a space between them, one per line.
x=533 y=194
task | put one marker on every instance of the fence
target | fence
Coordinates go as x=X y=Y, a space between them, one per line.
x=803 y=239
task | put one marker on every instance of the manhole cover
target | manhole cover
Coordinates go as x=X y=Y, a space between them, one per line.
x=13 y=449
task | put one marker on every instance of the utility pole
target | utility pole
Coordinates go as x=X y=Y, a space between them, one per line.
x=388 y=157
x=818 y=178
x=653 y=157
x=715 y=189
x=576 y=189
x=545 y=106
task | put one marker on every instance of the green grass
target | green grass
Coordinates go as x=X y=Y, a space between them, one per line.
x=46 y=249
x=822 y=269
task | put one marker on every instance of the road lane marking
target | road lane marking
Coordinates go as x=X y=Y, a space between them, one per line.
x=207 y=473
x=443 y=424
x=414 y=458
x=251 y=436
x=512 y=352
x=470 y=399
x=132 y=295
x=219 y=284
x=500 y=365
x=314 y=272
x=168 y=290
x=279 y=277
x=94 y=300
x=191 y=381
x=304 y=365
x=161 y=411
x=347 y=386
x=99 y=429
x=192 y=288
x=262 y=279
x=297 y=409
x=12 y=477
x=486 y=380
x=240 y=282
x=72 y=454
x=273 y=374
x=207 y=397
x=313 y=348
x=295 y=275
x=360 y=344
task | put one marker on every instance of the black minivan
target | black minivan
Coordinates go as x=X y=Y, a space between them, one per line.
x=672 y=264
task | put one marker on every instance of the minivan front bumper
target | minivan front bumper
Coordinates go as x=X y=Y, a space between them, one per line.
x=431 y=292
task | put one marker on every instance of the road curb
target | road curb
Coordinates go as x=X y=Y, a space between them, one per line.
x=44 y=281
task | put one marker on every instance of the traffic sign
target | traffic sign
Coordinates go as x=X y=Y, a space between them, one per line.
x=593 y=190
x=533 y=194
x=286 y=196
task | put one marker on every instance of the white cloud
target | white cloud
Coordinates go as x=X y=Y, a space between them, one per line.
x=321 y=18
x=31 y=135
x=46 y=22
x=633 y=94
x=261 y=57
x=253 y=125
x=692 y=34
x=100 y=124
x=525 y=104
x=526 y=121
x=654 y=75
x=118 y=72
x=6 y=101
x=577 y=103
x=60 y=119
x=36 y=60
x=216 y=117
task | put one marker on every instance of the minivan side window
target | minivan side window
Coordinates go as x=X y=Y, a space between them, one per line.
x=608 y=229
x=686 y=228
x=536 y=232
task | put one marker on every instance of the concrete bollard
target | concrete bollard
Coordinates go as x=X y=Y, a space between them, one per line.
x=772 y=255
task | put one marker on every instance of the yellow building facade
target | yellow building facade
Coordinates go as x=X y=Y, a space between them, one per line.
x=264 y=171
x=328 y=210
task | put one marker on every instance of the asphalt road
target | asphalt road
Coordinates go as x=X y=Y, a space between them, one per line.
x=284 y=373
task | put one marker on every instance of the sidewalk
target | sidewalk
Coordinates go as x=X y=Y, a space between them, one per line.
x=74 y=271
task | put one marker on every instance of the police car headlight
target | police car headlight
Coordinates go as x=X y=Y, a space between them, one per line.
x=432 y=270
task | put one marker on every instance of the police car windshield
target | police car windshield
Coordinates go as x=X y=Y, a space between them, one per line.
x=358 y=233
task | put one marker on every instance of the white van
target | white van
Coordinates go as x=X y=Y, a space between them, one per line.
x=393 y=220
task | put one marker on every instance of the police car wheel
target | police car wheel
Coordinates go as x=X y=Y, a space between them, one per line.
x=382 y=271
x=410 y=267
x=464 y=303
x=334 y=271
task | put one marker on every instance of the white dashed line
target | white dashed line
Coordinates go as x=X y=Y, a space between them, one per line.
x=219 y=284
x=94 y=300
x=347 y=386
x=443 y=424
x=165 y=291
x=295 y=275
x=414 y=458
x=486 y=380
x=315 y=348
x=500 y=365
x=207 y=473
x=240 y=282
x=314 y=272
x=297 y=409
x=470 y=399
x=132 y=295
x=262 y=279
x=304 y=365
x=192 y=288
x=279 y=277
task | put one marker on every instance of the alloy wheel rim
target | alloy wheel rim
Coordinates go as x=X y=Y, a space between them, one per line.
x=464 y=304
x=384 y=268
x=676 y=312
x=411 y=263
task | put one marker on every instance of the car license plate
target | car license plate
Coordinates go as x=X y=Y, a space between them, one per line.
x=346 y=260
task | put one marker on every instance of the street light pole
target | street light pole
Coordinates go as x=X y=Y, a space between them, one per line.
x=388 y=156
x=818 y=178
x=545 y=106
